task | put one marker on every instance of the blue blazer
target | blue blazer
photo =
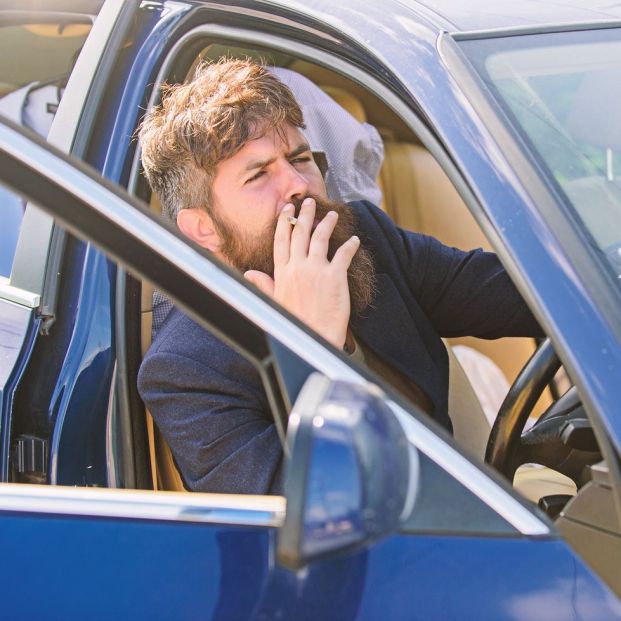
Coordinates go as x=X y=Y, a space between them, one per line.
x=209 y=403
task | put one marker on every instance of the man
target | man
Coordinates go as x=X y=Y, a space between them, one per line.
x=229 y=162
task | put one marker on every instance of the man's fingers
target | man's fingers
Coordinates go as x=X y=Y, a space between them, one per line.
x=261 y=280
x=300 y=236
x=344 y=255
x=320 y=239
x=282 y=236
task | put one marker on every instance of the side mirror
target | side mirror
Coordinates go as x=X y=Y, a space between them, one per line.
x=351 y=474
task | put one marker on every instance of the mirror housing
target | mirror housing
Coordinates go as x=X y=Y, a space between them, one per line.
x=351 y=474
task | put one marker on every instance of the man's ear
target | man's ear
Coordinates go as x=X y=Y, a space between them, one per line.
x=198 y=226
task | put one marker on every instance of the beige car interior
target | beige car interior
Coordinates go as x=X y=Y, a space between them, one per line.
x=418 y=196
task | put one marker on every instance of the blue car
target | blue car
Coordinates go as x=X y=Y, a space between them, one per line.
x=500 y=126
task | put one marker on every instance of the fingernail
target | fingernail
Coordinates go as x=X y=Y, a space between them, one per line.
x=355 y=239
x=307 y=200
x=332 y=214
x=287 y=208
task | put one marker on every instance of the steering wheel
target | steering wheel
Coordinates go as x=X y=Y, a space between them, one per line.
x=561 y=439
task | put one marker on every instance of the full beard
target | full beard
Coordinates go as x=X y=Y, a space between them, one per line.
x=256 y=252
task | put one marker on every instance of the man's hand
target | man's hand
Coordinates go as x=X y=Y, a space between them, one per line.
x=305 y=282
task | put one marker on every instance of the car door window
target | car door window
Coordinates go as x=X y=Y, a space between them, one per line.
x=36 y=59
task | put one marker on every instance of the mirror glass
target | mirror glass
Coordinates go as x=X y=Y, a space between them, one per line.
x=334 y=498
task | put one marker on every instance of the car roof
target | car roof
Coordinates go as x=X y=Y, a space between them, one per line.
x=468 y=15
x=451 y=15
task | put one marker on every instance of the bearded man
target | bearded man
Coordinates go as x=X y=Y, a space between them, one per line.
x=228 y=160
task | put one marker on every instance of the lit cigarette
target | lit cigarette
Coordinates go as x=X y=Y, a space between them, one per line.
x=292 y=220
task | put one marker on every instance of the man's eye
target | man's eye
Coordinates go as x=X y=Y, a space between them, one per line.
x=255 y=177
x=301 y=160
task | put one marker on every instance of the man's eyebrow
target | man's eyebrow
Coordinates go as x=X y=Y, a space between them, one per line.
x=254 y=164
x=302 y=148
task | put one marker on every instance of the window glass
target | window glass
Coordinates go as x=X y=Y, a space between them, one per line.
x=569 y=114
x=35 y=63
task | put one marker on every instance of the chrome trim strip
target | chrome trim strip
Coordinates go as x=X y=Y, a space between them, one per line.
x=17 y=295
x=112 y=465
x=239 y=510
x=535 y=29
x=414 y=478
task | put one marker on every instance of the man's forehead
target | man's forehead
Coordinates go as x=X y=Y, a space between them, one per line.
x=285 y=137
x=269 y=145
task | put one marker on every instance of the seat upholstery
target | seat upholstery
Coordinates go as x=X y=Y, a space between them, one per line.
x=420 y=197
x=348 y=101
x=164 y=472
x=471 y=428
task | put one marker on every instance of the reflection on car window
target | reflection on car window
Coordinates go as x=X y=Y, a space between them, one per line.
x=570 y=114
x=30 y=91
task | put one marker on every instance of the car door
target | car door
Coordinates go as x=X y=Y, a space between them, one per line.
x=115 y=552
x=94 y=121
x=147 y=562
x=45 y=43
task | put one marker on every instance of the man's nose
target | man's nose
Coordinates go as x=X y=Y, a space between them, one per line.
x=296 y=185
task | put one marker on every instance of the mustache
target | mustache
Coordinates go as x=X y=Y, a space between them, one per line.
x=322 y=206
x=345 y=226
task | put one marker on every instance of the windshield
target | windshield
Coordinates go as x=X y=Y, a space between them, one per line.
x=562 y=92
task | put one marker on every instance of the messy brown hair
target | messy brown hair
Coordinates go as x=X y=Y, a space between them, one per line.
x=206 y=121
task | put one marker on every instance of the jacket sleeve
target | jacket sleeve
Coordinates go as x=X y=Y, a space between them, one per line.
x=468 y=293
x=210 y=406
x=463 y=293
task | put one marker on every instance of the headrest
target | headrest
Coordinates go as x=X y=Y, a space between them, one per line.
x=354 y=150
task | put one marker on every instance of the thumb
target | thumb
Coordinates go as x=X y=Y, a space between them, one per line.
x=261 y=280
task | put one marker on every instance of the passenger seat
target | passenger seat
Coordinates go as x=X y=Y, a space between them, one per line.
x=420 y=197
